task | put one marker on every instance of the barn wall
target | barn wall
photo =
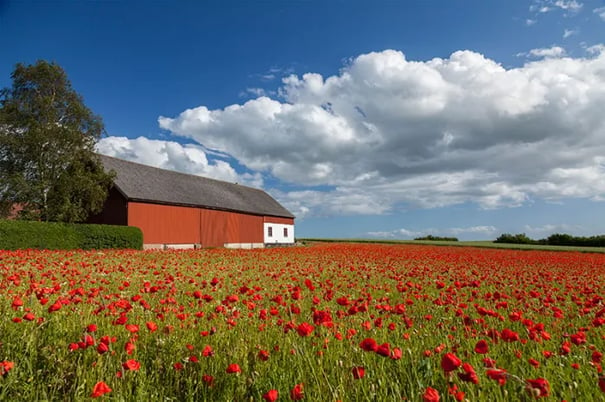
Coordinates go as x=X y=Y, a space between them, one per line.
x=165 y=224
x=114 y=210
x=218 y=228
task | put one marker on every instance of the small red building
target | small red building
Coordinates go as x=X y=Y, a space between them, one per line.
x=176 y=209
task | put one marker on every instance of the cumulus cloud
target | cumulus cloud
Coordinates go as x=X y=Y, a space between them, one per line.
x=600 y=12
x=171 y=155
x=474 y=232
x=387 y=132
x=551 y=52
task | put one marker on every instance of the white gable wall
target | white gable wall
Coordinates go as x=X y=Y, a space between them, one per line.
x=274 y=233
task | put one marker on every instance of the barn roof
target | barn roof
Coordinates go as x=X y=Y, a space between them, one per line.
x=148 y=184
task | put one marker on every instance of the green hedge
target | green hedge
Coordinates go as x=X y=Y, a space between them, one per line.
x=557 y=239
x=436 y=238
x=63 y=236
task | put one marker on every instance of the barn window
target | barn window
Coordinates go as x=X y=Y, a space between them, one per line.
x=270 y=231
x=285 y=232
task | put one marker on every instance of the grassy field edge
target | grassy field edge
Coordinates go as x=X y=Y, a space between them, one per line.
x=479 y=244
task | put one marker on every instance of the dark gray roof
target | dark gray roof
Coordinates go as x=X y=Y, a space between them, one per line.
x=145 y=183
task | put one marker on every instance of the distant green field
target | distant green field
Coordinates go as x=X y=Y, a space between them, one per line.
x=483 y=244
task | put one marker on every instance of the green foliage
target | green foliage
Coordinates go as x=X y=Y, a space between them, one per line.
x=62 y=236
x=557 y=239
x=436 y=238
x=99 y=237
x=47 y=137
x=519 y=238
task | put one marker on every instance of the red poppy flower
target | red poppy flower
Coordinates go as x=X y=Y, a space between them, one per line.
x=151 y=326
x=132 y=365
x=296 y=394
x=369 y=345
x=305 y=329
x=271 y=395
x=29 y=317
x=208 y=380
x=129 y=347
x=469 y=374
x=358 y=372
x=509 y=335
x=233 y=368
x=100 y=389
x=578 y=338
x=538 y=387
x=89 y=340
x=481 y=347
x=396 y=354
x=102 y=348
x=384 y=350
x=498 y=375
x=430 y=395
x=91 y=328
x=5 y=367
x=263 y=355
x=455 y=392
x=55 y=307
x=208 y=351
x=17 y=302
x=450 y=362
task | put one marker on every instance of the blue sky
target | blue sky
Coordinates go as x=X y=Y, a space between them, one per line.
x=389 y=119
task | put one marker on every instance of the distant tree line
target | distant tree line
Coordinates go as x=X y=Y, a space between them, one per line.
x=557 y=239
x=436 y=238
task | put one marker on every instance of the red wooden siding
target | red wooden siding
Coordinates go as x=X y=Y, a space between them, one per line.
x=274 y=219
x=220 y=227
x=165 y=223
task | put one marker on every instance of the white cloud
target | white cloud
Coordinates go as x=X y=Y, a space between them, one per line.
x=551 y=52
x=530 y=22
x=569 y=8
x=387 y=131
x=595 y=49
x=171 y=155
x=569 y=32
x=600 y=12
x=472 y=232
x=569 y=5
x=255 y=92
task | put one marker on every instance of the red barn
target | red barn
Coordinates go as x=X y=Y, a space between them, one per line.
x=178 y=210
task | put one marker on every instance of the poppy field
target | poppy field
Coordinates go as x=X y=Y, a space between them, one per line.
x=350 y=322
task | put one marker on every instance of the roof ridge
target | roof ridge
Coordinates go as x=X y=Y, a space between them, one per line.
x=180 y=173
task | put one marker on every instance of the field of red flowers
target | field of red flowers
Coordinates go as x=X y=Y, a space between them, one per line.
x=326 y=322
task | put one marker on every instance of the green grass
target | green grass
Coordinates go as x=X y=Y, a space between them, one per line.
x=480 y=244
x=423 y=301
